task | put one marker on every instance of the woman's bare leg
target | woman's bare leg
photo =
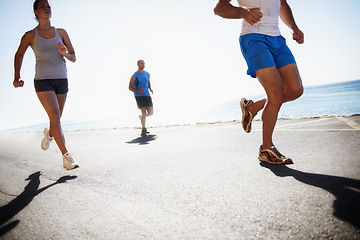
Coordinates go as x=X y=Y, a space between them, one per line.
x=54 y=105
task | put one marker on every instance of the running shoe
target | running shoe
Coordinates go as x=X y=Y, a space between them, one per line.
x=45 y=143
x=273 y=156
x=247 y=116
x=144 y=131
x=69 y=162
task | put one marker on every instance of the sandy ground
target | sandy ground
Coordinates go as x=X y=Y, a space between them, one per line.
x=184 y=182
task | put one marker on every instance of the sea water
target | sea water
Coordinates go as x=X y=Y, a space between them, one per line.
x=332 y=100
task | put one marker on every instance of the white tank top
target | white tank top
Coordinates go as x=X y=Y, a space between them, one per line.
x=269 y=23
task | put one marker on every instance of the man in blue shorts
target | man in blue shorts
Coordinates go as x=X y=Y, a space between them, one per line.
x=140 y=85
x=269 y=60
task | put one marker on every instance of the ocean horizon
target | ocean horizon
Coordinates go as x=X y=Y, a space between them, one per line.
x=336 y=99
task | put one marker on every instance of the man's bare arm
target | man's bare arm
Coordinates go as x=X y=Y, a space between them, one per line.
x=225 y=10
x=288 y=18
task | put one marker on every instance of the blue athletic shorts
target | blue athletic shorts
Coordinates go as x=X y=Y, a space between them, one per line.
x=59 y=86
x=262 y=51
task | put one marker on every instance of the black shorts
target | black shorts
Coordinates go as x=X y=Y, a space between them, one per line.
x=144 y=102
x=59 y=86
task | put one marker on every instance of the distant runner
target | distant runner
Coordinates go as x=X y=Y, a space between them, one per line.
x=140 y=85
x=269 y=60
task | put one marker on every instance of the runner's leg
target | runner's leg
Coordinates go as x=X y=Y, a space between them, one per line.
x=143 y=117
x=270 y=79
x=292 y=83
x=149 y=111
x=291 y=79
x=54 y=108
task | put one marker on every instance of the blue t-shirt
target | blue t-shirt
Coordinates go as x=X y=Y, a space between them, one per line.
x=142 y=81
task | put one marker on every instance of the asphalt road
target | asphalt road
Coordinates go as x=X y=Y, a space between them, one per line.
x=186 y=182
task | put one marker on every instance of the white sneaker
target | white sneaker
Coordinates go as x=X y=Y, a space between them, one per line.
x=69 y=162
x=45 y=143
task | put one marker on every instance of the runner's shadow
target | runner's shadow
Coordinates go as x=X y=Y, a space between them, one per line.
x=346 y=190
x=20 y=202
x=143 y=140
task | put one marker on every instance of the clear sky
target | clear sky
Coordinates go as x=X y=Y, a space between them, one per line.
x=192 y=55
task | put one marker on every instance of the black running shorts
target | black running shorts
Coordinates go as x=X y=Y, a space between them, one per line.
x=145 y=101
x=59 y=86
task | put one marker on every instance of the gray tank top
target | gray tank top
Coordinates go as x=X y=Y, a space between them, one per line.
x=50 y=64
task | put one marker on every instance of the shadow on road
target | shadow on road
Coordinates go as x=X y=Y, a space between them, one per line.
x=346 y=190
x=20 y=202
x=143 y=140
